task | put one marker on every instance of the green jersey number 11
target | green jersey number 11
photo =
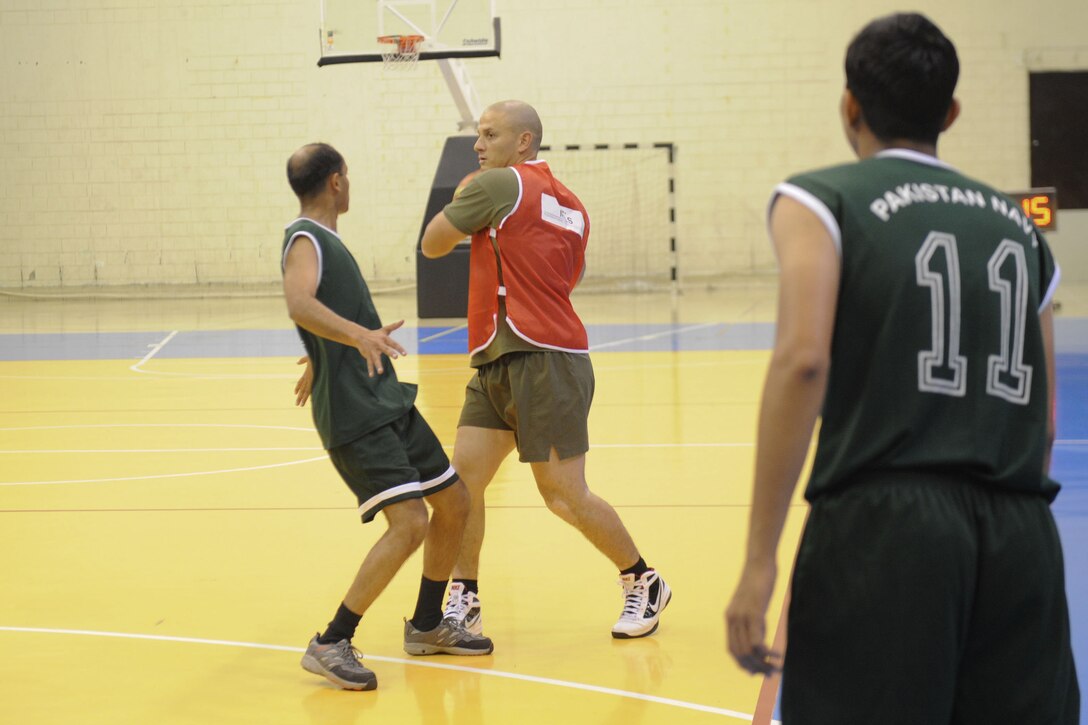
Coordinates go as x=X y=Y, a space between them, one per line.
x=943 y=368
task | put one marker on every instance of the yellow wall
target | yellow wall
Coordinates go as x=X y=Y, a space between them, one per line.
x=144 y=141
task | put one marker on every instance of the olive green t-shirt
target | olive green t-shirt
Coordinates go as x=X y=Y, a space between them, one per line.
x=484 y=202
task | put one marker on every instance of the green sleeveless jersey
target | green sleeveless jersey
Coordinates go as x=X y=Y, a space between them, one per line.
x=937 y=358
x=346 y=402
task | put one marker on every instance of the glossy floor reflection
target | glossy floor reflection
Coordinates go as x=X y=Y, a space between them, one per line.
x=171 y=533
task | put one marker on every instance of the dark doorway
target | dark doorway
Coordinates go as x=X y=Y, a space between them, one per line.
x=1059 y=135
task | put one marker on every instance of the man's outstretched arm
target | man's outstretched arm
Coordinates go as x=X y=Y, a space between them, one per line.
x=300 y=278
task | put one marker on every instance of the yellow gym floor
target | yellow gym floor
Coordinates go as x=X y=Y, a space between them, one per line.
x=172 y=534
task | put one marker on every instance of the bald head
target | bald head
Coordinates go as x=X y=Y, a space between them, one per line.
x=521 y=118
x=508 y=134
x=310 y=167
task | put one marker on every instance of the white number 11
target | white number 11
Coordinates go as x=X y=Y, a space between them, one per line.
x=942 y=369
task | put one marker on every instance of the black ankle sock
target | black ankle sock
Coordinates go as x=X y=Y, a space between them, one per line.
x=471 y=585
x=638 y=568
x=342 y=626
x=429 y=604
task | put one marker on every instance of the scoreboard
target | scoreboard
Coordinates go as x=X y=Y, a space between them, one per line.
x=1040 y=205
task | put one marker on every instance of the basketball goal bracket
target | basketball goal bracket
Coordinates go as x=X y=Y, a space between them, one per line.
x=401 y=33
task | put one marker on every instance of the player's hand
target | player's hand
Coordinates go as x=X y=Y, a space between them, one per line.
x=305 y=384
x=371 y=344
x=745 y=620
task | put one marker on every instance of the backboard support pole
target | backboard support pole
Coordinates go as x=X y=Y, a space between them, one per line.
x=464 y=95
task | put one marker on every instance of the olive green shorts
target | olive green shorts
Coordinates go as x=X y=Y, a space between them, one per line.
x=543 y=397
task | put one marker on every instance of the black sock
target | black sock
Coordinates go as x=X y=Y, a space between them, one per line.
x=471 y=585
x=429 y=604
x=638 y=568
x=342 y=626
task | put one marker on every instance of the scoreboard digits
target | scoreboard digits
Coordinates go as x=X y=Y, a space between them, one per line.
x=1040 y=205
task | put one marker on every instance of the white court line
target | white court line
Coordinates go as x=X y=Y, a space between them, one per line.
x=443 y=333
x=731 y=362
x=138 y=368
x=154 y=351
x=671 y=445
x=160 y=425
x=449 y=446
x=397 y=660
x=411 y=368
x=406 y=367
x=654 y=335
x=127 y=378
x=165 y=475
x=158 y=450
x=1060 y=441
x=220 y=376
x=241 y=376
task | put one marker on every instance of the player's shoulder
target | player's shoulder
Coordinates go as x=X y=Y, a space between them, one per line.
x=498 y=183
x=501 y=175
x=826 y=185
x=834 y=175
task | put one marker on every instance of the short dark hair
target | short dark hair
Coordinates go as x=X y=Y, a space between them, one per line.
x=903 y=70
x=307 y=172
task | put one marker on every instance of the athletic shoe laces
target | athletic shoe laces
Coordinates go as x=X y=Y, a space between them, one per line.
x=344 y=652
x=636 y=598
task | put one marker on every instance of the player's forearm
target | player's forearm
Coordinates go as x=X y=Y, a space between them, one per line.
x=792 y=396
x=440 y=237
x=311 y=315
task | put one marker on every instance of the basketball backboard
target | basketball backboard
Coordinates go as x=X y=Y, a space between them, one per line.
x=350 y=29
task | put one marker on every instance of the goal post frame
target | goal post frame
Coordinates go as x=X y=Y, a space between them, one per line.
x=669 y=148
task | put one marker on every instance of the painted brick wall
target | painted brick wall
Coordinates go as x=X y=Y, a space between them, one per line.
x=143 y=141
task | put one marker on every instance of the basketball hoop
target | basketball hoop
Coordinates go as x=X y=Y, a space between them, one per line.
x=405 y=53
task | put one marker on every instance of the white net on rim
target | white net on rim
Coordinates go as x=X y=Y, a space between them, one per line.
x=403 y=53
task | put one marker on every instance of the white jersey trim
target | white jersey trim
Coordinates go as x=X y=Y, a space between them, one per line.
x=813 y=204
x=317 y=223
x=521 y=191
x=916 y=156
x=494 y=331
x=1048 y=297
x=544 y=345
x=317 y=248
x=317 y=245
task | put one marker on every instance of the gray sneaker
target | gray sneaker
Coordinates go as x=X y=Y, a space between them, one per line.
x=339 y=662
x=449 y=637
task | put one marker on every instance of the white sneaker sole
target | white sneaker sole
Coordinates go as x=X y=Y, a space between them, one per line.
x=620 y=634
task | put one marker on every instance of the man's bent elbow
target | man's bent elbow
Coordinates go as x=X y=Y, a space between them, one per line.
x=805 y=366
x=295 y=316
x=297 y=310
